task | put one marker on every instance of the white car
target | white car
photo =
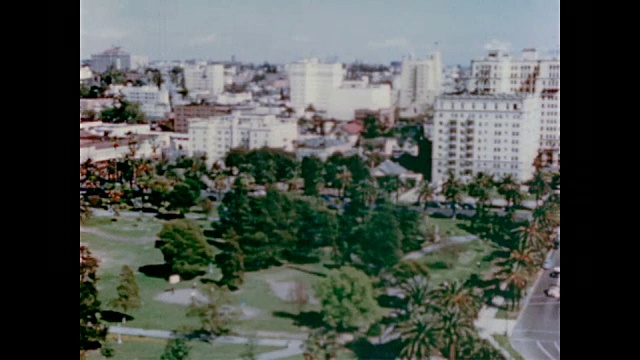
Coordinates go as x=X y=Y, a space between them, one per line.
x=553 y=291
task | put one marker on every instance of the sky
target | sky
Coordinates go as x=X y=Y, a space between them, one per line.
x=282 y=31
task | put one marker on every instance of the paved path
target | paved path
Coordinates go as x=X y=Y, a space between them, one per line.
x=449 y=241
x=103 y=212
x=292 y=347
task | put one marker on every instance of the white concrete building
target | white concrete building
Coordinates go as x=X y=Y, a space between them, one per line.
x=215 y=136
x=105 y=142
x=204 y=78
x=354 y=95
x=233 y=98
x=112 y=57
x=154 y=102
x=312 y=83
x=85 y=74
x=420 y=83
x=494 y=134
x=499 y=73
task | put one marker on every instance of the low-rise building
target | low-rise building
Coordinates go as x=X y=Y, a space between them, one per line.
x=353 y=95
x=154 y=101
x=322 y=147
x=385 y=116
x=215 y=136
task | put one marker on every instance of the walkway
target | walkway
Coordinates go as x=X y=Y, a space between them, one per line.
x=292 y=347
x=448 y=241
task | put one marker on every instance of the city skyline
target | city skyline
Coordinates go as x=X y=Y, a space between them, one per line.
x=286 y=31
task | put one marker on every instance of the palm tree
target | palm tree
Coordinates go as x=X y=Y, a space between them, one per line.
x=455 y=329
x=480 y=188
x=510 y=189
x=419 y=337
x=416 y=291
x=456 y=297
x=514 y=281
x=452 y=190
x=540 y=185
x=426 y=193
x=530 y=236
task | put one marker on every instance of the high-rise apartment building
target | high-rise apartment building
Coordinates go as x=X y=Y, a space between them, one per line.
x=494 y=134
x=215 y=136
x=208 y=78
x=420 y=82
x=312 y=83
x=499 y=73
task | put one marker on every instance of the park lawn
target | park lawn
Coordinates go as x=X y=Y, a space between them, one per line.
x=462 y=260
x=115 y=248
x=506 y=344
x=141 y=348
x=448 y=227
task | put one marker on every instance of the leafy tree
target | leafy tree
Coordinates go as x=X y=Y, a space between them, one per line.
x=357 y=168
x=372 y=127
x=107 y=350
x=333 y=167
x=128 y=292
x=176 y=349
x=380 y=240
x=92 y=330
x=209 y=309
x=184 y=247
x=124 y=112
x=231 y=261
x=452 y=190
x=235 y=210
x=113 y=76
x=347 y=299
x=312 y=174
x=390 y=184
x=181 y=198
x=316 y=226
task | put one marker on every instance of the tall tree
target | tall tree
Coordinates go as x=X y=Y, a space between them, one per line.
x=454 y=296
x=231 y=261
x=452 y=190
x=347 y=299
x=540 y=185
x=480 y=188
x=92 y=330
x=312 y=174
x=184 y=247
x=426 y=193
x=128 y=297
x=510 y=189
x=181 y=198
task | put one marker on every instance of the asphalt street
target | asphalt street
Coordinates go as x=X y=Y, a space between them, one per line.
x=536 y=335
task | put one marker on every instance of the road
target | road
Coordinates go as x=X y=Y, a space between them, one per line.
x=536 y=335
x=291 y=347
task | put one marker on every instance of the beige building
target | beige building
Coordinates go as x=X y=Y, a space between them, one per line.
x=494 y=134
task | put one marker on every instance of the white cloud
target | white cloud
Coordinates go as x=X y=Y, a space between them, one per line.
x=399 y=42
x=300 y=39
x=495 y=44
x=204 y=40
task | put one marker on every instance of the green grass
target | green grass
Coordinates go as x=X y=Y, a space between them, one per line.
x=510 y=315
x=448 y=227
x=462 y=259
x=504 y=342
x=139 y=348
x=115 y=247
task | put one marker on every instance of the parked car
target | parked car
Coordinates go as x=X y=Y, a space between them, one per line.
x=553 y=291
x=448 y=205
x=433 y=204
x=468 y=206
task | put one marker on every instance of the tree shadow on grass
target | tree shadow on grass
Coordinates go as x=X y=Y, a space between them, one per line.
x=162 y=271
x=390 y=301
x=311 y=319
x=365 y=350
x=294 y=267
x=114 y=316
